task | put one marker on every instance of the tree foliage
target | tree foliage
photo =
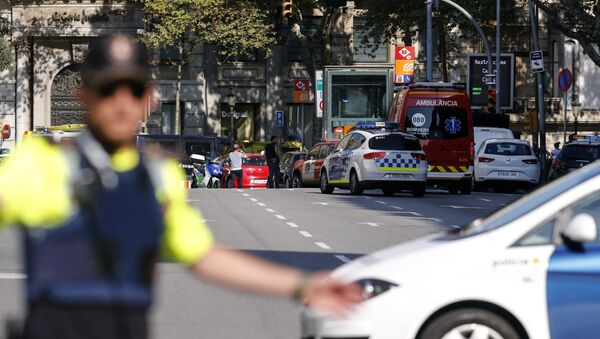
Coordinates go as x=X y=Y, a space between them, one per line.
x=577 y=19
x=6 y=54
x=236 y=27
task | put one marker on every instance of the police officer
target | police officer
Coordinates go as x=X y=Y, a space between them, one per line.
x=272 y=156
x=99 y=214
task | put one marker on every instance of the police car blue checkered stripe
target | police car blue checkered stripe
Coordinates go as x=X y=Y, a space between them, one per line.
x=397 y=162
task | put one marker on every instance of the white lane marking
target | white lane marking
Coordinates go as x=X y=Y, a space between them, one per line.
x=292 y=225
x=397 y=207
x=323 y=203
x=270 y=210
x=462 y=207
x=253 y=199
x=323 y=245
x=372 y=224
x=380 y=202
x=246 y=194
x=193 y=200
x=484 y=199
x=502 y=204
x=305 y=234
x=240 y=190
x=291 y=189
x=261 y=204
x=413 y=213
x=342 y=258
x=455 y=226
x=364 y=196
x=12 y=276
x=207 y=220
x=280 y=217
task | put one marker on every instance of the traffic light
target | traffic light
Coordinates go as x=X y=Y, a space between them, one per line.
x=286 y=8
x=491 y=100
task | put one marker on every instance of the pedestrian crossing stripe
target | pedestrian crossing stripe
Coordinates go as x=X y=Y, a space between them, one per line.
x=449 y=169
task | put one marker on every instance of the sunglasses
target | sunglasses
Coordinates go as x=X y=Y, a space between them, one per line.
x=137 y=89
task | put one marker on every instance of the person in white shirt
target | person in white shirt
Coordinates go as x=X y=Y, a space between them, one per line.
x=556 y=151
x=236 y=157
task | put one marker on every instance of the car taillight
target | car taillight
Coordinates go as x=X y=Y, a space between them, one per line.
x=419 y=156
x=484 y=159
x=472 y=150
x=530 y=161
x=374 y=155
x=555 y=164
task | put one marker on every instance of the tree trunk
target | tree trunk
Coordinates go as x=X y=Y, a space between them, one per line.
x=178 y=90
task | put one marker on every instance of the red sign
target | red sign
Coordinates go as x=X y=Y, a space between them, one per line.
x=301 y=91
x=338 y=130
x=404 y=68
x=405 y=53
x=5 y=131
x=565 y=80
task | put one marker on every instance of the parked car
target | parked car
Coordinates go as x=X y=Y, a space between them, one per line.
x=529 y=270
x=288 y=162
x=255 y=172
x=307 y=172
x=574 y=156
x=506 y=162
x=482 y=134
x=372 y=157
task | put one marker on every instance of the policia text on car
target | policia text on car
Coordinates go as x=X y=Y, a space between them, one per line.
x=101 y=213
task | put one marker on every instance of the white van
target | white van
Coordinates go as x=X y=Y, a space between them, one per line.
x=484 y=133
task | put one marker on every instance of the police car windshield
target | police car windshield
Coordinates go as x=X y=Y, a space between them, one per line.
x=580 y=152
x=531 y=201
x=394 y=142
x=437 y=123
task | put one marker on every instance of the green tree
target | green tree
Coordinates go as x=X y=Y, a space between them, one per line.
x=401 y=21
x=236 y=27
x=6 y=54
x=577 y=19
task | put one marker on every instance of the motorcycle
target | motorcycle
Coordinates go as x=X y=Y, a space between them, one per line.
x=213 y=174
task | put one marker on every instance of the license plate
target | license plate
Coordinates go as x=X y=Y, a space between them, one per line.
x=398 y=176
x=507 y=174
x=258 y=181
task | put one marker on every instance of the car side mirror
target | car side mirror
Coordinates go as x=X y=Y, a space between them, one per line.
x=198 y=157
x=581 y=229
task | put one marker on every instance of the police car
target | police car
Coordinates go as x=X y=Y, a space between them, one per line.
x=376 y=155
x=531 y=270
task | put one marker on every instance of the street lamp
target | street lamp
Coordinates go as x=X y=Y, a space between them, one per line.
x=231 y=101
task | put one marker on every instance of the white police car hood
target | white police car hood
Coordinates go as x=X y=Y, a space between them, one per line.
x=438 y=255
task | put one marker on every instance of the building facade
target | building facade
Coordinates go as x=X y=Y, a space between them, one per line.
x=50 y=41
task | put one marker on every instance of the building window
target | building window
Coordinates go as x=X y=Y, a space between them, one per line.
x=363 y=53
x=295 y=47
x=359 y=96
x=167 y=118
x=169 y=54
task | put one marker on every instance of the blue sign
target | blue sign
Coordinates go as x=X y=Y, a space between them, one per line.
x=453 y=125
x=408 y=79
x=279 y=118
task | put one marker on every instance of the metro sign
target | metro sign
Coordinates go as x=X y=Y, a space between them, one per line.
x=404 y=67
x=405 y=53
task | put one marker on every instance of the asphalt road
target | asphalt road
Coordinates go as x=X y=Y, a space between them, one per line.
x=299 y=227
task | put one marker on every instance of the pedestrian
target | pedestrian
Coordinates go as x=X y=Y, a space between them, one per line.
x=556 y=151
x=100 y=212
x=272 y=156
x=236 y=157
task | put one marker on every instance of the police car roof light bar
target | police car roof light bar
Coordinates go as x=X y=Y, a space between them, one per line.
x=366 y=125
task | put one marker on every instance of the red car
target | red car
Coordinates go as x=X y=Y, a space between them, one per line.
x=255 y=172
x=307 y=172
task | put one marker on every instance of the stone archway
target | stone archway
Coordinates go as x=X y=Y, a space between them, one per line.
x=65 y=108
